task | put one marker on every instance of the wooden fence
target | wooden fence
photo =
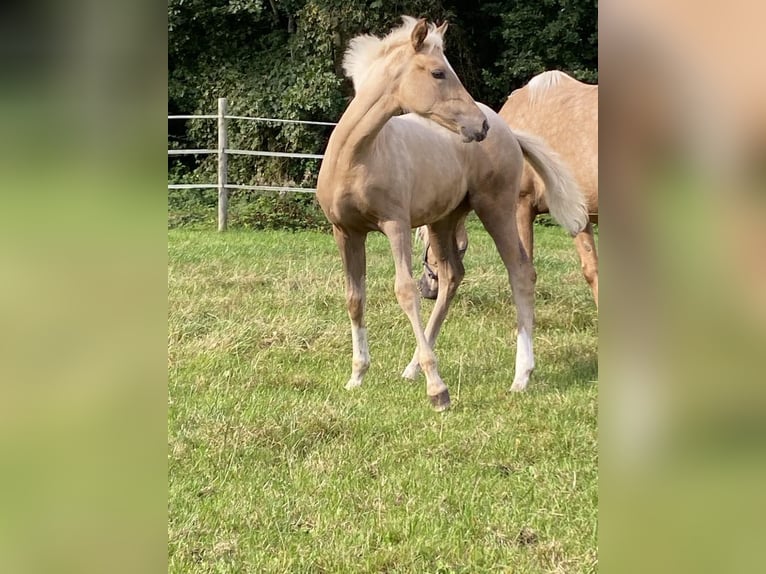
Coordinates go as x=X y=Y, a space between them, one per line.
x=222 y=185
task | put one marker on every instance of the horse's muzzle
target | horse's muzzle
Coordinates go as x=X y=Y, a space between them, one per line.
x=426 y=290
x=476 y=135
x=483 y=133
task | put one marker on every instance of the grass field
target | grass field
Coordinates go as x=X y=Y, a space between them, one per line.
x=275 y=467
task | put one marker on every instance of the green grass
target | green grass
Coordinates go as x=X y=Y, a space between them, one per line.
x=275 y=467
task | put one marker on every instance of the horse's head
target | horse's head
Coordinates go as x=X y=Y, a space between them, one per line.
x=408 y=65
x=429 y=281
x=429 y=87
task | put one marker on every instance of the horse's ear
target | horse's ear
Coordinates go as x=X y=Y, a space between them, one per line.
x=419 y=33
x=441 y=30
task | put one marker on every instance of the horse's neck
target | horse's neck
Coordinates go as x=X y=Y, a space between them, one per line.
x=360 y=125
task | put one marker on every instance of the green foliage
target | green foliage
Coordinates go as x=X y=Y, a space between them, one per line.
x=282 y=59
x=542 y=35
x=196 y=208
x=192 y=207
x=270 y=210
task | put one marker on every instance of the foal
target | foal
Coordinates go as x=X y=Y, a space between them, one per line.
x=383 y=171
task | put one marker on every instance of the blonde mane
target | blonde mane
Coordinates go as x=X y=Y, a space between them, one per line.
x=363 y=51
x=543 y=82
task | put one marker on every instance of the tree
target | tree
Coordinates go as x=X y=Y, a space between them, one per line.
x=538 y=35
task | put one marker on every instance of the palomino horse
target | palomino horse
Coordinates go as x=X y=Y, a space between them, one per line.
x=564 y=112
x=387 y=172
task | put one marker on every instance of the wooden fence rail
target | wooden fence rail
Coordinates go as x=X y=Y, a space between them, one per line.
x=223 y=152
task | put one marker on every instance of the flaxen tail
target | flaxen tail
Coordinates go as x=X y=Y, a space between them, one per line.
x=565 y=200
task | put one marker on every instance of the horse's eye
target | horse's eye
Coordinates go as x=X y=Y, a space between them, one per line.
x=438 y=74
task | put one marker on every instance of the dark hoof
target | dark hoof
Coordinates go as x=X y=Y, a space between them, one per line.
x=440 y=402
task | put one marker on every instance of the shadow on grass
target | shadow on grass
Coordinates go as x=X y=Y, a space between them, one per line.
x=569 y=368
x=562 y=369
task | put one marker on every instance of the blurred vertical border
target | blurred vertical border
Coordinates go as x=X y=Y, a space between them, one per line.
x=83 y=292
x=683 y=309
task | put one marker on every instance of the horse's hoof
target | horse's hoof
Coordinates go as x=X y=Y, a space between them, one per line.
x=353 y=383
x=519 y=387
x=411 y=372
x=441 y=401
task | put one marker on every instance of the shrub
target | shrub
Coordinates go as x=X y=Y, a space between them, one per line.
x=247 y=210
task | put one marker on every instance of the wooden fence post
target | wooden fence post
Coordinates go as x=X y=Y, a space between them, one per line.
x=223 y=192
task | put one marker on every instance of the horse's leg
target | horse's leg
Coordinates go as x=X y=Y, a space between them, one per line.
x=352 y=251
x=525 y=219
x=499 y=221
x=586 y=249
x=398 y=234
x=442 y=240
